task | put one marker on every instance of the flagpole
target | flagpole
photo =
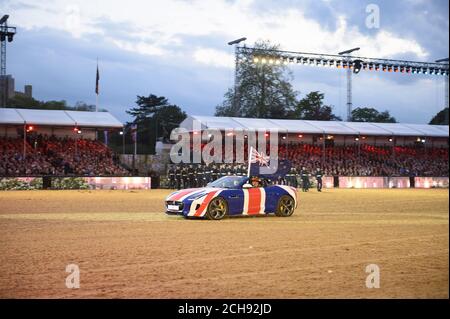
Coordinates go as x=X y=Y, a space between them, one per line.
x=249 y=160
x=96 y=85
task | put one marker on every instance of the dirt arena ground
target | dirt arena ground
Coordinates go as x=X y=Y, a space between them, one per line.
x=126 y=247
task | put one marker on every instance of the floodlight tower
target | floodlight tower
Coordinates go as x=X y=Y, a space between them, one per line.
x=446 y=86
x=6 y=33
x=236 y=66
x=347 y=53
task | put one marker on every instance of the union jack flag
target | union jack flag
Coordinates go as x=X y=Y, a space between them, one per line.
x=260 y=158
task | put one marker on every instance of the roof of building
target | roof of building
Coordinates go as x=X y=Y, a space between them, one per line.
x=58 y=118
x=193 y=123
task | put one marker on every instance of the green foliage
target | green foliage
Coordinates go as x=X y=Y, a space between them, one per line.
x=263 y=90
x=13 y=184
x=36 y=183
x=24 y=102
x=441 y=118
x=69 y=183
x=155 y=117
x=311 y=107
x=367 y=114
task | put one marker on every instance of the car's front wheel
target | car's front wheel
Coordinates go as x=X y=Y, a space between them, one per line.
x=286 y=206
x=217 y=209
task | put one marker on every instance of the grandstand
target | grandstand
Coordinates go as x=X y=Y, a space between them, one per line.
x=52 y=142
x=345 y=148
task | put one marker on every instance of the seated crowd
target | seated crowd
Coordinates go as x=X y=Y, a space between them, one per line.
x=369 y=160
x=50 y=155
x=366 y=160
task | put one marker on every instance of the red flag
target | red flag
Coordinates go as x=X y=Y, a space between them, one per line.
x=97 y=78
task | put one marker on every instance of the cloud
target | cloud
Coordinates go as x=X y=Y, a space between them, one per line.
x=214 y=57
x=179 y=48
x=159 y=27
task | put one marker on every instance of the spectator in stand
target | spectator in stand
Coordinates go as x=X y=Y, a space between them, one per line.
x=49 y=155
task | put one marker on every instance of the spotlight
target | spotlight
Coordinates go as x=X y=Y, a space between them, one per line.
x=255 y=59
x=121 y=133
x=357 y=66
x=30 y=128
x=390 y=139
x=356 y=139
x=4 y=18
x=300 y=135
x=263 y=60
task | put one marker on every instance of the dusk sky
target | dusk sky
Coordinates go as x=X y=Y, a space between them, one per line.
x=179 y=49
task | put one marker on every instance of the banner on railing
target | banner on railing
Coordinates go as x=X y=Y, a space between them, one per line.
x=373 y=182
x=119 y=182
x=431 y=182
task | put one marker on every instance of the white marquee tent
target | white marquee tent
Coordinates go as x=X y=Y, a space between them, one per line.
x=315 y=127
x=58 y=118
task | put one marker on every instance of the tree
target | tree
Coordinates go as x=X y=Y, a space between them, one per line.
x=311 y=107
x=25 y=102
x=263 y=90
x=441 y=118
x=81 y=106
x=154 y=117
x=368 y=114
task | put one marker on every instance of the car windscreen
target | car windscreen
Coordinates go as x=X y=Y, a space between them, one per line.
x=228 y=182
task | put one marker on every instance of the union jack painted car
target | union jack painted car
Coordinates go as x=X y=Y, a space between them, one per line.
x=232 y=195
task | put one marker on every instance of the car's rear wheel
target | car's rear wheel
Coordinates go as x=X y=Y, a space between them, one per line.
x=217 y=209
x=285 y=207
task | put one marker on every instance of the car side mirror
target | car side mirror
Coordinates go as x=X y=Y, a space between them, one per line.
x=247 y=185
